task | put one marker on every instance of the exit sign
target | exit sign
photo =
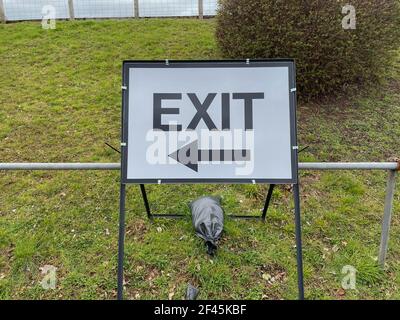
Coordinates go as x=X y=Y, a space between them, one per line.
x=209 y=122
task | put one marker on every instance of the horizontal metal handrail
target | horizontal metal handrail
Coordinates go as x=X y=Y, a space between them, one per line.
x=116 y=166
x=392 y=167
x=60 y=166
x=348 y=166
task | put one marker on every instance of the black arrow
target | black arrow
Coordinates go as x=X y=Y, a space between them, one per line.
x=190 y=155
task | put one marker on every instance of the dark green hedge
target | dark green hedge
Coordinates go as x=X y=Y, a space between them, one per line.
x=328 y=57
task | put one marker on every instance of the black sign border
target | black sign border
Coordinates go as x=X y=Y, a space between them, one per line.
x=127 y=65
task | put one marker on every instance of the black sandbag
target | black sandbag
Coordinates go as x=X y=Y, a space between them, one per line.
x=208 y=220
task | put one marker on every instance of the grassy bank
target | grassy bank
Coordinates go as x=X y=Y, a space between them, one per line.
x=60 y=101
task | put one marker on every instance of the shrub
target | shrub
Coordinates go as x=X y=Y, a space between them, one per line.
x=328 y=56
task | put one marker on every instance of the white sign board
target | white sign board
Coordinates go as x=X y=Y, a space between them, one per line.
x=222 y=122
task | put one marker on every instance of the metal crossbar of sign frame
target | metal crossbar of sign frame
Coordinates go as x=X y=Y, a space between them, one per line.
x=209 y=122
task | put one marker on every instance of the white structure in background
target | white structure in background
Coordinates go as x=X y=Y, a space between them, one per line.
x=15 y=10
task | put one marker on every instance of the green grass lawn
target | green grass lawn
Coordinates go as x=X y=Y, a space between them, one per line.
x=60 y=101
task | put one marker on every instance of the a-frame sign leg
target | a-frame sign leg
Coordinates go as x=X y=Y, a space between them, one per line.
x=267 y=201
x=299 y=247
x=121 y=241
x=146 y=201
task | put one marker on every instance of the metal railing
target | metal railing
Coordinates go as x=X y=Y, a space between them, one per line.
x=391 y=167
x=18 y=10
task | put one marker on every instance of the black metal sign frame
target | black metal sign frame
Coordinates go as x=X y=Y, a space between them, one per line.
x=128 y=65
x=124 y=135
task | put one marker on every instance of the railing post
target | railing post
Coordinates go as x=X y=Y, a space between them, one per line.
x=71 y=9
x=136 y=8
x=201 y=9
x=2 y=13
x=387 y=217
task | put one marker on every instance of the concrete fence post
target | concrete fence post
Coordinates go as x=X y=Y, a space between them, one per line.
x=136 y=8
x=387 y=217
x=201 y=9
x=2 y=12
x=71 y=9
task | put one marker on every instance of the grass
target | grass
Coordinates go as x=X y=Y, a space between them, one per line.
x=60 y=101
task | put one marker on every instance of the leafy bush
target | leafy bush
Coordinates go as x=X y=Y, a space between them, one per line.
x=328 y=56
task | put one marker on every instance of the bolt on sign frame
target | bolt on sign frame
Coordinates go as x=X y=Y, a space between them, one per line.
x=208 y=95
